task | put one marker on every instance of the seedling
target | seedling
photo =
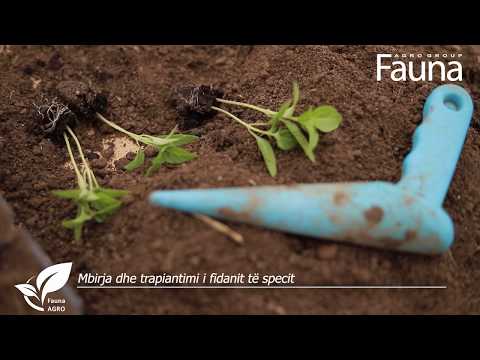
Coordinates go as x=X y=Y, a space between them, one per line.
x=285 y=128
x=168 y=147
x=74 y=101
x=79 y=101
x=93 y=201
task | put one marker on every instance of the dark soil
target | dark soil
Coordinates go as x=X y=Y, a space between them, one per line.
x=81 y=99
x=371 y=143
x=194 y=104
x=70 y=102
x=6 y=221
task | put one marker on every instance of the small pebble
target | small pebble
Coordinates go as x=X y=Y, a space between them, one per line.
x=150 y=151
x=37 y=150
x=99 y=163
x=101 y=173
x=130 y=156
x=92 y=155
x=108 y=153
x=327 y=252
x=356 y=153
x=120 y=164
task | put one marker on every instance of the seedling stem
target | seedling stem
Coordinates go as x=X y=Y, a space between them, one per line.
x=285 y=128
x=248 y=106
x=240 y=121
x=93 y=201
x=81 y=181
x=168 y=147
x=116 y=127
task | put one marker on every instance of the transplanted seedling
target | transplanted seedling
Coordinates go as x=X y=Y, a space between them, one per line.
x=168 y=147
x=79 y=101
x=74 y=101
x=93 y=201
x=287 y=129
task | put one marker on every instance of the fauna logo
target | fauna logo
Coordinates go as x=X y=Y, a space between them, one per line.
x=51 y=279
x=420 y=67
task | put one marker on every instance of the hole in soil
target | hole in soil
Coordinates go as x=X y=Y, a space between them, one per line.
x=121 y=146
x=453 y=102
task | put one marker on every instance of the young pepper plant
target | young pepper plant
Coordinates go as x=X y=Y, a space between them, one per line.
x=168 y=147
x=285 y=128
x=93 y=201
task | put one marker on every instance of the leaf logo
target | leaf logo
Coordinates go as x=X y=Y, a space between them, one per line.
x=51 y=279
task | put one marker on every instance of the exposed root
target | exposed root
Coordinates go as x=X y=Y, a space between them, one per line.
x=194 y=104
x=221 y=228
x=50 y=113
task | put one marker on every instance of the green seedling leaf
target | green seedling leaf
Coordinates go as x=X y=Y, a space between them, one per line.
x=275 y=119
x=303 y=130
x=137 y=162
x=177 y=155
x=268 y=155
x=79 y=220
x=325 y=118
x=157 y=162
x=301 y=139
x=172 y=154
x=285 y=140
x=67 y=194
x=113 y=192
x=106 y=203
x=89 y=196
x=312 y=132
x=295 y=99
x=97 y=204
x=106 y=212
x=105 y=208
x=295 y=93
x=93 y=201
x=76 y=224
x=75 y=195
x=170 y=139
x=182 y=139
x=103 y=201
x=313 y=136
x=154 y=140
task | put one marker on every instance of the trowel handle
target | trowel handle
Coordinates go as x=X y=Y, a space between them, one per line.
x=437 y=143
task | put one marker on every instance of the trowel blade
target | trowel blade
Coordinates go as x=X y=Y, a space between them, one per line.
x=376 y=214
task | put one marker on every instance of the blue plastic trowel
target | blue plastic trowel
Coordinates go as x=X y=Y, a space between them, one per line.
x=406 y=216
